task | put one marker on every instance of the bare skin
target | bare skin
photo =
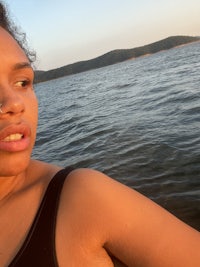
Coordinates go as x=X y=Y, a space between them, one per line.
x=97 y=216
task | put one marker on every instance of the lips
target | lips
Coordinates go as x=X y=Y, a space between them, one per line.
x=14 y=138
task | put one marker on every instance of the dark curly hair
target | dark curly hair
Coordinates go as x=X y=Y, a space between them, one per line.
x=20 y=37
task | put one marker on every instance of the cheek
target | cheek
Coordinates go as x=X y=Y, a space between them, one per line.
x=35 y=106
x=32 y=111
x=35 y=111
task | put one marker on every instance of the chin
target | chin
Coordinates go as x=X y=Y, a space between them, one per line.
x=14 y=165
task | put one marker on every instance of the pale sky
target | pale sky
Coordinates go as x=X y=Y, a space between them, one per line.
x=67 y=31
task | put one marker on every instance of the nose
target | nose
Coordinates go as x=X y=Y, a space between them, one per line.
x=11 y=103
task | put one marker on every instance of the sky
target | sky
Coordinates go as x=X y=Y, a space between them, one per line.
x=67 y=31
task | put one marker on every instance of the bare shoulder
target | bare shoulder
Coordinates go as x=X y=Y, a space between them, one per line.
x=92 y=180
x=94 y=188
x=98 y=184
x=89 y=190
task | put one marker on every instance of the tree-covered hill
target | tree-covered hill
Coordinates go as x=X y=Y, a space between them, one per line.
x=113 y=57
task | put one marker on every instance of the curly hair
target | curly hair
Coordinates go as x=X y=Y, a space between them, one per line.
x=20 y=37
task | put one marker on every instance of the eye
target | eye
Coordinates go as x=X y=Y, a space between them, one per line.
x=23 y=83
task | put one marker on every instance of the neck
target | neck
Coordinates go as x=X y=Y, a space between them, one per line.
x=10 y=185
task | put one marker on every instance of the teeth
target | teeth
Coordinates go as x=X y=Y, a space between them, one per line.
x=13 y=137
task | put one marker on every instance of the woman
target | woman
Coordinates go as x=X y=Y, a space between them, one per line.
x=57 y=218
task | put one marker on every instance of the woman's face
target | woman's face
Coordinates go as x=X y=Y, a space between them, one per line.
x=18 y=120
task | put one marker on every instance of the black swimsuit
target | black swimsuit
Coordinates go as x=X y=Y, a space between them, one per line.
x=38 y=249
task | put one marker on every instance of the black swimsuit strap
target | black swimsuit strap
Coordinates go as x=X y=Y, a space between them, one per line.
x=39 y=246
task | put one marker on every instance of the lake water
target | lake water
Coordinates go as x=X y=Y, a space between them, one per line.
x=137 y=121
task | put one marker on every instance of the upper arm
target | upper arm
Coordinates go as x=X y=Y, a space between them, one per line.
x=129 y=225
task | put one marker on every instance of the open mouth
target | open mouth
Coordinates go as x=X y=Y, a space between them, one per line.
x=13 y=137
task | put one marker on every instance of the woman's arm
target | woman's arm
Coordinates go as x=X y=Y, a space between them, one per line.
x=131 y=227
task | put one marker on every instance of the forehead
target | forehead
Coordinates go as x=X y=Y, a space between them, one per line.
x=10 y=51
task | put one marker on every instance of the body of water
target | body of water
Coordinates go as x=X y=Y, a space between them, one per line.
x=137 y=121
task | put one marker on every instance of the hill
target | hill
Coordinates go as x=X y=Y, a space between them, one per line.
x=113 y=57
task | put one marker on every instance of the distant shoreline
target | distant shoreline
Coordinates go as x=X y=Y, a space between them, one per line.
x=114 y=57
x=150 y=54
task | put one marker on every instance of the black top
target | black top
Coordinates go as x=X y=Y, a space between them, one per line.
x=38 y=249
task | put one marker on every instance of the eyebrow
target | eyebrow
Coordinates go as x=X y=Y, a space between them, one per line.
x=22 y=65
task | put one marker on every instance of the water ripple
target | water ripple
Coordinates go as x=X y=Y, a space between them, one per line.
x=138 y=121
